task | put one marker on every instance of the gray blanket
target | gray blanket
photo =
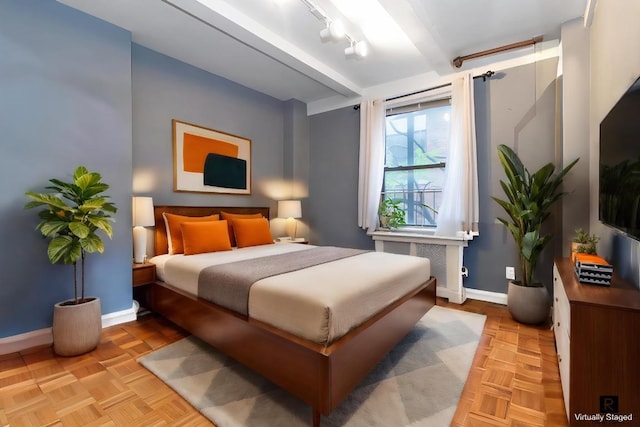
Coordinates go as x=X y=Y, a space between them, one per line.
x=228 y=285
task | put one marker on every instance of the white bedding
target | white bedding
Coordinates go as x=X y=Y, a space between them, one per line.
x=319 y=303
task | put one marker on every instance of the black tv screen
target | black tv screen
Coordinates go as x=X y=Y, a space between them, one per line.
x=619 y=201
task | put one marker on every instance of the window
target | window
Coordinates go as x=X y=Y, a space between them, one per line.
x=416 y=146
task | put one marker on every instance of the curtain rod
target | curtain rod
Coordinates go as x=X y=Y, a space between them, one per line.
x=418 y=91
x=457 y=62
x=484 y=76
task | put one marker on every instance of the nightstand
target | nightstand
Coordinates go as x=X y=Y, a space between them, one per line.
x=299 y=240
x=144 y=274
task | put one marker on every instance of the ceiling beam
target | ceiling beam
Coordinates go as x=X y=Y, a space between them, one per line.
x=223 y=17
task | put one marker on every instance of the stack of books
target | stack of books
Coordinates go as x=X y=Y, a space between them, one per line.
x=593 y=270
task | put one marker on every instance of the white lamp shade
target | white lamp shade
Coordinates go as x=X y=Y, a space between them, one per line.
x=289 y=209
x=143 y=211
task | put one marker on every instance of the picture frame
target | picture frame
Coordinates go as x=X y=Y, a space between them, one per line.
x=210 y=161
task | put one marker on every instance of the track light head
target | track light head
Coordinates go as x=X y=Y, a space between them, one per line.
x=357 y=50
x=333 y=32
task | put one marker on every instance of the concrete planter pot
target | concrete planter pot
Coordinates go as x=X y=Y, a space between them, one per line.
x=76 y=327
x=528 y=304
x=574 y=250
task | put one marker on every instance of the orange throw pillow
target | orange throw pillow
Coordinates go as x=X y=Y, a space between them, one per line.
x=252 y=232
x=206 y=236
x=230 y=217
x=174 y=232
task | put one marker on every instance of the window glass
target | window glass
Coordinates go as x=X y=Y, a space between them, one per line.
x=416 y=146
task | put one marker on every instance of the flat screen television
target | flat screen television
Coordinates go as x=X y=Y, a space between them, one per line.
x=619 y=198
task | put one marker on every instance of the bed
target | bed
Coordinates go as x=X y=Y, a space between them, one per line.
x=320 y=370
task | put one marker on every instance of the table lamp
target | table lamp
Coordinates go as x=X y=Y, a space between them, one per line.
x=142 y=217
x=290 y=209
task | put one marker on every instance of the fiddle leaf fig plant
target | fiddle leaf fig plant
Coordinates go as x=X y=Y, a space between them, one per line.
x=73 y=216
x=529 y=197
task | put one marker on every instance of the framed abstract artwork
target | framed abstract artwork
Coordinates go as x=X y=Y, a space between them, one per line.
x=210 y=161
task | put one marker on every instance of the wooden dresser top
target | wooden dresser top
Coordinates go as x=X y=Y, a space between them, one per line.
x=621 y=294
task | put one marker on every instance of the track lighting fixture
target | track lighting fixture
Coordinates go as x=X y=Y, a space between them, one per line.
x=335 y=31
x=356 y=49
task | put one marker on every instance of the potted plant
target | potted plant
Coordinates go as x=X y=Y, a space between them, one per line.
x=529 y=197
x=390 y=213
x=74 y=213
x=583 y=243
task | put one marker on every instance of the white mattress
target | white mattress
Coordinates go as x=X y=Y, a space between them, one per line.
x=319 y=303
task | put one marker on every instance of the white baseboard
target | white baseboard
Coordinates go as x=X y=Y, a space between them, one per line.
x=452 y=296
x=478 y=294
x=21 y=342
x=44 y=336
x=117 y=317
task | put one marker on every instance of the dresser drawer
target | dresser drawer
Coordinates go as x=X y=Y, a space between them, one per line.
x=561 y=308
x=563 y=345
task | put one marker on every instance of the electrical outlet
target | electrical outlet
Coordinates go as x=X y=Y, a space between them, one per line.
x=511 y=273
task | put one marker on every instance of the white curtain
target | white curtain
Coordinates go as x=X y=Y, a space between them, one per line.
x=371 y=167
x=458 y=213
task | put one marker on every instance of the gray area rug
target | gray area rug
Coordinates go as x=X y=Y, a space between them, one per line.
x=417 y=384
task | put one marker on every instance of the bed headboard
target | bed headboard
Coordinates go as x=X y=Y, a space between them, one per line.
x=161 y=245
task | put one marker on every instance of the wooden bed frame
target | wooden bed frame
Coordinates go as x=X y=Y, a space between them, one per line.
x=321 y=376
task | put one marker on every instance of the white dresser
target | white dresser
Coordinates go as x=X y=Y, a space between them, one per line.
x=596 y=330
x=562 y=330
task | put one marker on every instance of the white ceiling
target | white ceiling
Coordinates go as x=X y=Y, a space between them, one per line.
x=274 y=46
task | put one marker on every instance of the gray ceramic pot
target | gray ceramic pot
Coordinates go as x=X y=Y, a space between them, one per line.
x=527 y=304
x=76 y=328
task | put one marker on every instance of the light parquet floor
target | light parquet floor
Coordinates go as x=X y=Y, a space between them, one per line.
x=514 y=380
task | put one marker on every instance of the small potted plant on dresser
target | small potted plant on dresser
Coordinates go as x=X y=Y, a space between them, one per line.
x=529 y=197
x=74 y=213
x=583 y=243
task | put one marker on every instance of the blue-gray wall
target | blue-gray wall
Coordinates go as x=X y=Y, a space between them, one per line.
x=333 y=180
x=78 y=91
x=613 y=33
x=65 y=100
x=296 y=148
x=516 y=107
x=166 y=89
x=75 y=90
